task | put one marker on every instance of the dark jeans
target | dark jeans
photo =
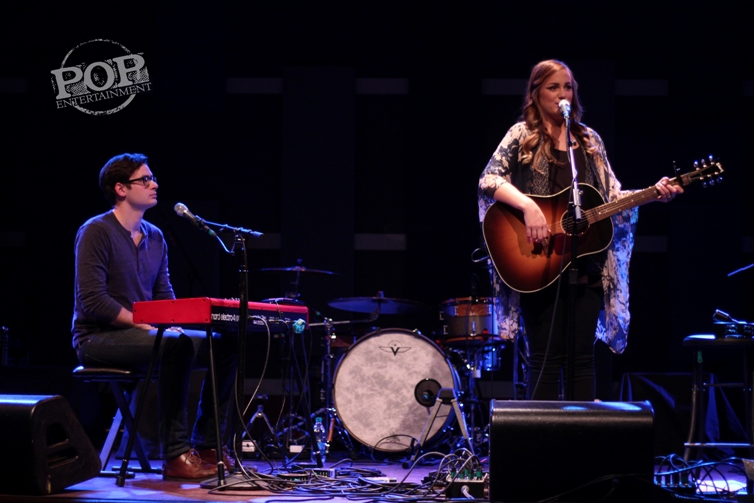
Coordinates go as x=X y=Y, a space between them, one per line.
x=548 y=351
x=180 y=353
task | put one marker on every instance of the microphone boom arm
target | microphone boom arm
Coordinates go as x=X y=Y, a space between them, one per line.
x=228 y=228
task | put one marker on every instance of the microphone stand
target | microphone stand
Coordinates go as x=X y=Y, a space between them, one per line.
x=239 y=241
x=239 y=233
x=574 y=216
x=740 y=270
x=243 y=317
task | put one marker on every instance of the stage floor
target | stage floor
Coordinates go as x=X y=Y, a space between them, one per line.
x=369 y=480
x=265 y=481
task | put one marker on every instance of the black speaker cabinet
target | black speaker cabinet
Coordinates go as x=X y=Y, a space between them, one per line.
x=43 y=446
x=580 y=451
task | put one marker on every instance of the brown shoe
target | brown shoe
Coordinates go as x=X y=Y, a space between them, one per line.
x=209 y=456
x=188 y=467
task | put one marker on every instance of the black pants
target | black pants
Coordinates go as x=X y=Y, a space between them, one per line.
x=548 y=350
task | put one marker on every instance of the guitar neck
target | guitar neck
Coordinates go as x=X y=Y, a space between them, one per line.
x=529 y=267
x=633 y=200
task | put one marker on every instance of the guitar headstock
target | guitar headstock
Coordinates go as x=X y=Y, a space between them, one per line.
x=708 y=171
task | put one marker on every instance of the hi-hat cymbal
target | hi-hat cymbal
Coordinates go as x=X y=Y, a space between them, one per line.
x=297 y=268
x=385 y=305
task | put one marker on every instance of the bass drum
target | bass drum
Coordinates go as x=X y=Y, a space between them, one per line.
x=385 y=386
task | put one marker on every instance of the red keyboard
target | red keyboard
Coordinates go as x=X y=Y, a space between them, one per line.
x=203 y=311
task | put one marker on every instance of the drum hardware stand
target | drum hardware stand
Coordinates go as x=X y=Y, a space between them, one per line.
x=446 y=396
x=305 y=402
x=295 y=294
x=259 y=414
x=473 y=371
x=474 y=374
x=333 y=420
x=287 y=346
x=304 y=390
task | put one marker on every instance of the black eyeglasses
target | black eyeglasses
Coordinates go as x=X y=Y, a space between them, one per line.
x=144 y=180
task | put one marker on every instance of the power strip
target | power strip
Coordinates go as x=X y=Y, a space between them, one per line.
x=307 y=474
x=678 y=482
x=294 y=477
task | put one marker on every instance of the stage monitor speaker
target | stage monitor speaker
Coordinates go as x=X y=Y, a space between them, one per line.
x=571 y=451
x=44 y=448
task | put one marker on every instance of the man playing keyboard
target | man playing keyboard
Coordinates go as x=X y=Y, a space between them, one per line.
x=122 y=259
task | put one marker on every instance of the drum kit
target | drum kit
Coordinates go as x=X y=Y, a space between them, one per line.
x=380 y=389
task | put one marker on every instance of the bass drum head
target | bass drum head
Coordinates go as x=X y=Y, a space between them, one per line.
x=379 y=383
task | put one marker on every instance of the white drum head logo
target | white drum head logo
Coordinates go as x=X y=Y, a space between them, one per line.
x=100 y=77
x=395 y=348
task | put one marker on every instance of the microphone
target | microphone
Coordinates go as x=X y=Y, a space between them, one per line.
x=184 y=212
x=724 y=317
x=565 y=108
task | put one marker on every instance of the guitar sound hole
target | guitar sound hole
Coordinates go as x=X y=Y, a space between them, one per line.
x=581 y=226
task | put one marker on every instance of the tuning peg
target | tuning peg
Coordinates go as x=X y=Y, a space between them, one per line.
x=676 y=170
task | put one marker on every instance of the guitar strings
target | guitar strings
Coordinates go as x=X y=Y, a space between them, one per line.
x=608 y=209
x=642 y=196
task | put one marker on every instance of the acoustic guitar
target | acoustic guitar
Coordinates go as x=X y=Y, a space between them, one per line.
x=529 y=267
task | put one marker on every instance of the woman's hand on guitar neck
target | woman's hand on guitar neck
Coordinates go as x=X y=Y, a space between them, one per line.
x=666 y=190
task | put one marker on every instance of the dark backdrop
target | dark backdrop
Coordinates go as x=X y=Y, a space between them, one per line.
x=353 y=136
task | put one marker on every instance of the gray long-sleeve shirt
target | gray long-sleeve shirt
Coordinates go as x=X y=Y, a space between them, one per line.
x=112 y=272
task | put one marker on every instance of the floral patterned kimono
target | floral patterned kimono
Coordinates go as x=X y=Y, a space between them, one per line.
x=506 y=166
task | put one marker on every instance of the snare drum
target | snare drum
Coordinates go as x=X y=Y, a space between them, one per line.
x=468 y=320
x=384 y=389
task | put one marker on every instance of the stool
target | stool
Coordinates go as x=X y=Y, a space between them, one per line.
x=705 y=342
x=118 y=379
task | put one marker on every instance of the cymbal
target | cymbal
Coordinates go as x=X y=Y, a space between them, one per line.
x=297 y=268
x=385 y=305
